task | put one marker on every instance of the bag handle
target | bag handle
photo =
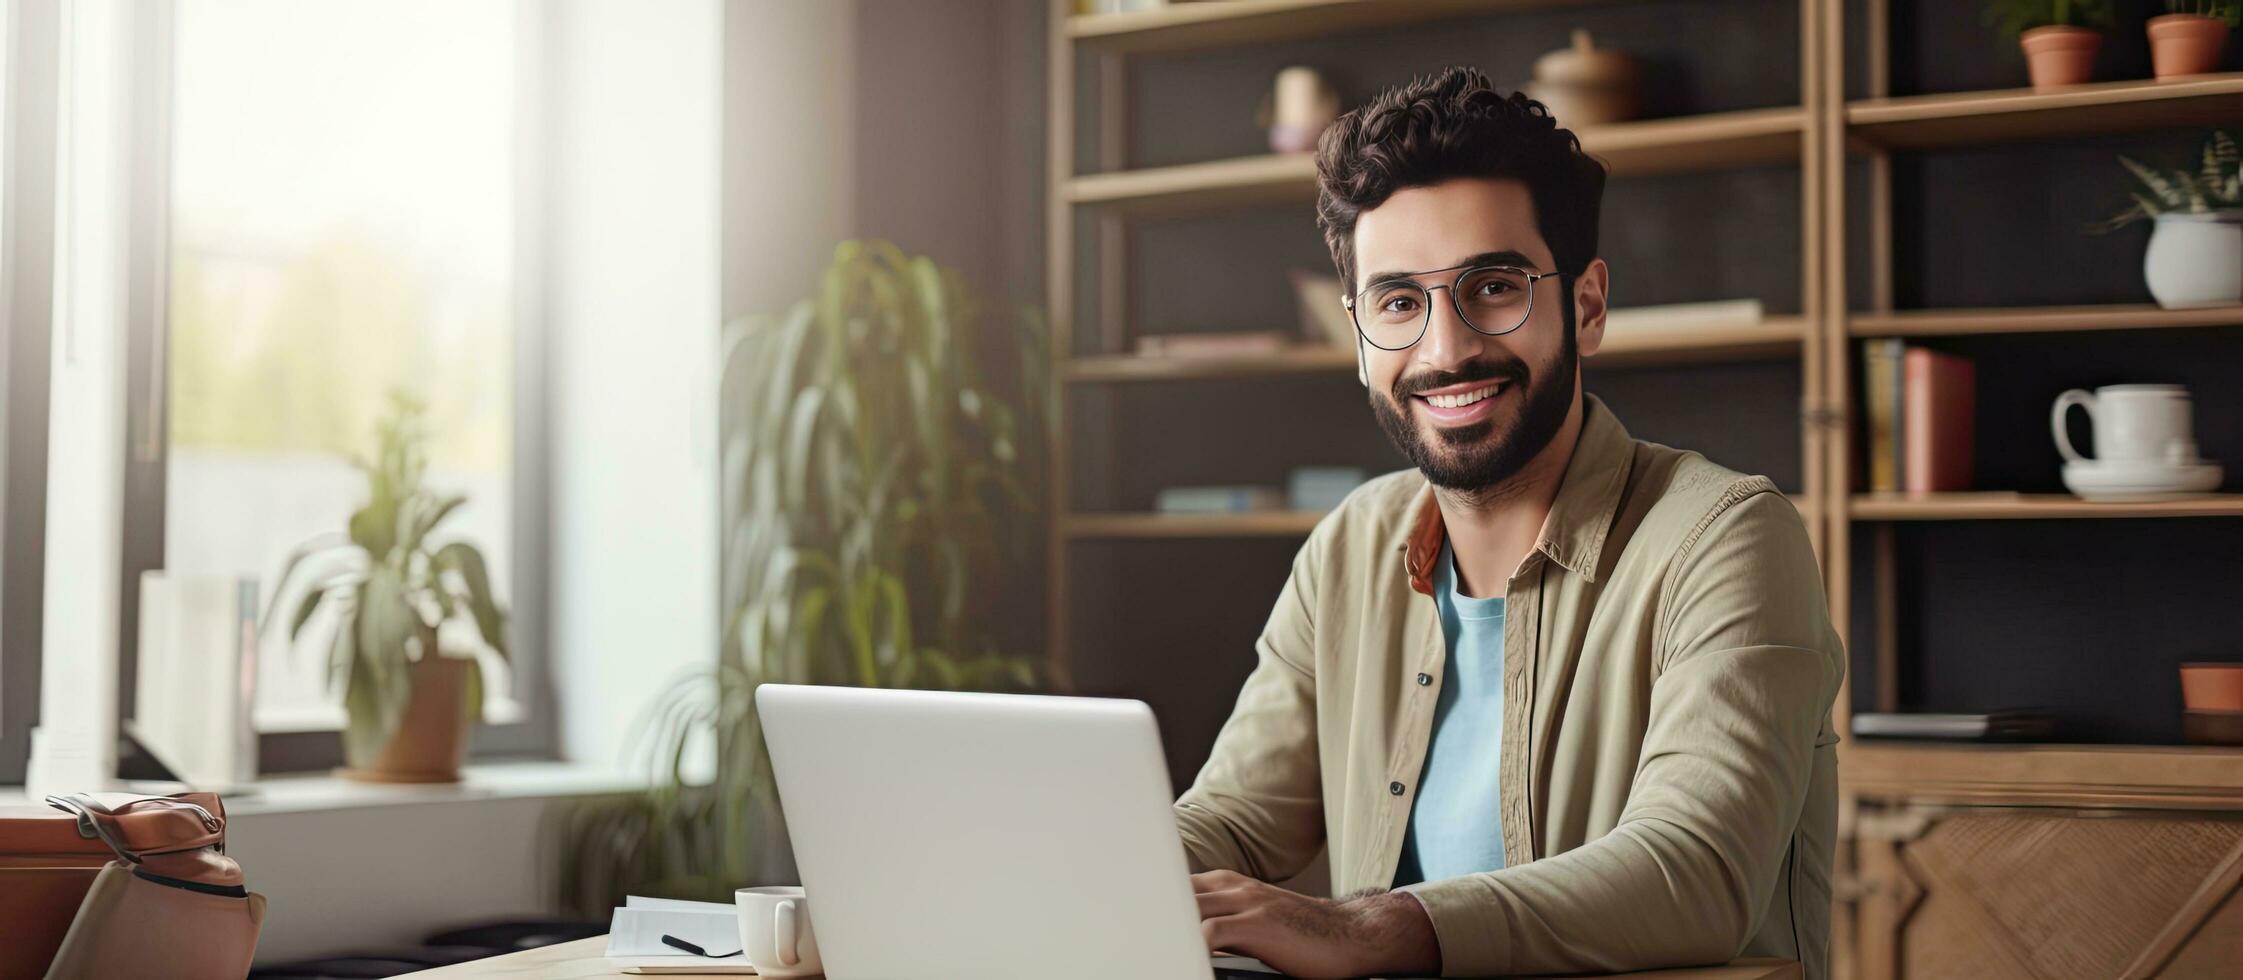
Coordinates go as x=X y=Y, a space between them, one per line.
x=94 y=817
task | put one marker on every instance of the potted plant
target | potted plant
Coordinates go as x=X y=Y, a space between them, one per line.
x=882 y=500
x=2195 y=254
x=409 y=700
x=2188 y=39
x=2059 y=37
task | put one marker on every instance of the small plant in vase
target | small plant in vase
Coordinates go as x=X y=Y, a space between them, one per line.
x=409 y=701
x=2188 y=39
x=2059 y=37
x=2195 y=254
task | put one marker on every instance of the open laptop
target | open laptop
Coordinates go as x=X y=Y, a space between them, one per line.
x=985 y=835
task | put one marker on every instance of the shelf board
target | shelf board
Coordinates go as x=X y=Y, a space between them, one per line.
x=2181 y=776
x=2004 y=506
x=1266 y=524
x=1701 y=142
x=1149 y=525
x=2047 y=319
x=1773 y=337
x=1305 y=359
x=1189 y=26
x=2006 y=115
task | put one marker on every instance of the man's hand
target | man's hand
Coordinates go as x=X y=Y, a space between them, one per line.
x=1315 y=937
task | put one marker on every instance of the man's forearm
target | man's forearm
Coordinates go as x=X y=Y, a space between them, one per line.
x=1396 y=933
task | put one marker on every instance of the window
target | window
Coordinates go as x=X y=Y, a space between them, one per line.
x=22 y=413
x=342 y=221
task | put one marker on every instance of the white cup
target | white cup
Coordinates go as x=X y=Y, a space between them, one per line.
x=2134 y=425
x=775 y=931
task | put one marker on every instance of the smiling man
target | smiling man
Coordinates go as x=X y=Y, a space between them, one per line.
x=1557 y=699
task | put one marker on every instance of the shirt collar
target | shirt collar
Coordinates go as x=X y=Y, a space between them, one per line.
x=1580 y=517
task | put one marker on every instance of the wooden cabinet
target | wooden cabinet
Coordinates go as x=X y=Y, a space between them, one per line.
x=1950 y=878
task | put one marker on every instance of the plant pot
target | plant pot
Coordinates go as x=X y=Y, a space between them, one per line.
x=2212 y=687
x=431 y=738
x=2060 y=55
x=2186 y=44
x=2196 y=259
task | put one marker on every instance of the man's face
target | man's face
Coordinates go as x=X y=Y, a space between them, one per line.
x=1516 y=389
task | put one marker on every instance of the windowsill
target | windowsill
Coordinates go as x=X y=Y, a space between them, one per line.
x=498 y=780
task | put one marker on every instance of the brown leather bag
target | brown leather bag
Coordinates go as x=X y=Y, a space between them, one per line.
x=170 y=904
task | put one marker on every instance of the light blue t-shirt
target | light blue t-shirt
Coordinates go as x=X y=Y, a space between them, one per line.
x=1456 y=823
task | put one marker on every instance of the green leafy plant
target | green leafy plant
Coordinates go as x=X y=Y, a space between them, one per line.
x=2216 y=184
x=391 y=586
x=881 y=518
x=2229 y=12
x=2011 y=18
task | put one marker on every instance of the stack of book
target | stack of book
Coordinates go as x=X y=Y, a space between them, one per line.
x=1920 y=406
x=1219 y=500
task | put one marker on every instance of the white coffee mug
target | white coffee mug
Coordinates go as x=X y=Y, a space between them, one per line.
x=2142 y=425
x=775 y=931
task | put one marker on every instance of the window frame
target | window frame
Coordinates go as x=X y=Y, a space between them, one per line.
x=27 y=178
x=535 y=734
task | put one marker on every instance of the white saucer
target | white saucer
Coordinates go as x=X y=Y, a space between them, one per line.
x=2134 y=482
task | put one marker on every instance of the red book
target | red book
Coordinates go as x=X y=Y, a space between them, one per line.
x=1938 y=392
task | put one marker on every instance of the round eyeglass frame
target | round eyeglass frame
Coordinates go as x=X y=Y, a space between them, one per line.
x=1463 y=272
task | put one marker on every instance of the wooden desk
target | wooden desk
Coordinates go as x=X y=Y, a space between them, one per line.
x=582 y=958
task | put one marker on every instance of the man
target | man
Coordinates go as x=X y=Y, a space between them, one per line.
x=1565 y=693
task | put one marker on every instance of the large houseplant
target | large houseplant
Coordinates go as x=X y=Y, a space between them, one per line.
x=882 y=490
x=2195 y=253
x=408 y=699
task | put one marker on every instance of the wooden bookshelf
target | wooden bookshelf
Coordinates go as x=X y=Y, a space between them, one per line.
x=1774 y=337
x=1196 y=25
x=1100 y=193
x=1990 y=506
x=2007 y=115
x=1714 y=140
x=2048 y=319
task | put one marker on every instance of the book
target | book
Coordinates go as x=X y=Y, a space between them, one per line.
x=1989 y=726
x=1320 y=488
x=1245 y=343
x=1937 y=416
x=196 y=684
x=635 y=935
x=1880 y=389
x=1219 y=500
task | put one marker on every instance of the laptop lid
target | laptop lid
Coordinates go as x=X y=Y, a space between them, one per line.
x=945 y=835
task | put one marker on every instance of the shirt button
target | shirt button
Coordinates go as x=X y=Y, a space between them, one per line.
x=1394 y=788
x=1424 y=679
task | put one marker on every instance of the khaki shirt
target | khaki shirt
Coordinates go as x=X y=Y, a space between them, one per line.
x=1668 y=778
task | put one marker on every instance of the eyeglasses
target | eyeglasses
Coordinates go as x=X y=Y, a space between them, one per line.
x=1492 y=300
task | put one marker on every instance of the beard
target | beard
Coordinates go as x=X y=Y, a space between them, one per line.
x=1477 y=459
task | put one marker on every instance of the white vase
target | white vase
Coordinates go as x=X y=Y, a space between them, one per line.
x=2196 y=259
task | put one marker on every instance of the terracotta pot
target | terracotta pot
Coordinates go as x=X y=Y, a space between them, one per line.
x=2212 y=687
x=2186 y=44
x=432 y=737
x=2060 y=55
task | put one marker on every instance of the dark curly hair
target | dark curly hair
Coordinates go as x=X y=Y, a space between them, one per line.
x=1455 y=124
